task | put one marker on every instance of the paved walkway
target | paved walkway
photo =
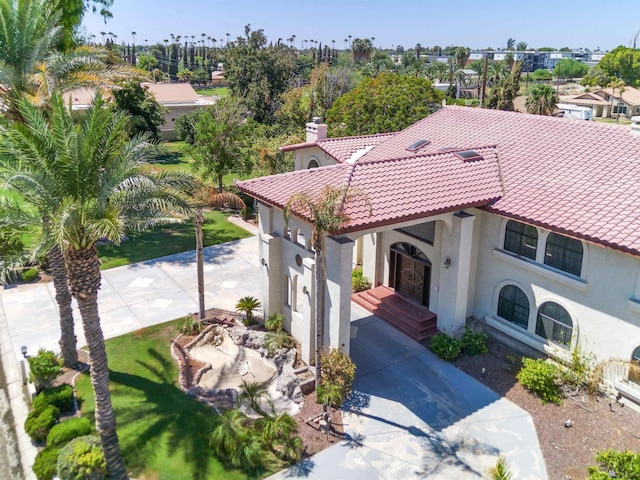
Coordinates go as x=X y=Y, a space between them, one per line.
x=414 y=416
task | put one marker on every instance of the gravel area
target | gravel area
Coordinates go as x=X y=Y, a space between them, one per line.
x=596 y=424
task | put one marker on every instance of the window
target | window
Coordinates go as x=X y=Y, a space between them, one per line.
x=313 y=163
x=521 y=239
x=564 y=253
x=554 y=324
x=513 y=306
x=288 y=291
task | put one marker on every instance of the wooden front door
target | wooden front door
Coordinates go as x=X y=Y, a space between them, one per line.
x=410 y=273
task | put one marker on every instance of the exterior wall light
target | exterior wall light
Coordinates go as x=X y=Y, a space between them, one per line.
x=447 y=262
x=305 y=290
x=23 y=350
x=263 y=262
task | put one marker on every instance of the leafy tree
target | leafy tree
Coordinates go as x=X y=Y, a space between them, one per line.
x=147 y=62
x=185 y=125
x=502 y=93
x=511 y=42
x=145 y=113
x=542 y=100
x=387 y=103
x=622 y=63
x=94 y=172
x=218 y=140
x=258 y=74
x=327 y=217
x=615 y=464
x=14 y=223
x=72 y=12
x=361 y=48
x=541 y=74
x=521 y=46
x=570 y=68
x=595 y=76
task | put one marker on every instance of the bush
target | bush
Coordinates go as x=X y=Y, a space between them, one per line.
x=474 y=343
x=189 y=325
x=359 y=282
x=274 y=323
x=614 y=464
x=60 y=396
x=337 y=370
x=40 y=422
x=30 y=275
x=44 y=368
x=542 y=378
x=446 y=347
x=579 y=372
x=45 y=465
x=82 y=458
x=274 y=341
x=64 y=432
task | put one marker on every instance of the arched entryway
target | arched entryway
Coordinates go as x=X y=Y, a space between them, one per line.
x=410 y=272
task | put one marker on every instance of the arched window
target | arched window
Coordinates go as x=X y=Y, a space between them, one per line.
x=513 y=305
x=288 y=291
x=521 y=239
x=635 y=358
x=554 y=324
x=313 y=163
x=564 y=253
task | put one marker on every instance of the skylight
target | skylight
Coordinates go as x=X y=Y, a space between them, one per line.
x=469 y=155
x=418 y=145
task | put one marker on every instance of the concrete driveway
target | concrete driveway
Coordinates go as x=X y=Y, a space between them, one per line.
x=414 y=416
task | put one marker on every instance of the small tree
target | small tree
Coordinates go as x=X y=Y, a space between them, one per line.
x=542 y=100
x=248 y=305
x=146 y=114
x=44 y=368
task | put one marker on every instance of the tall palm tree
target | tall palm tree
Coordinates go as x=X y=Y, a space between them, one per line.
x=93 y=179
x=542 y=100
x=362 y=48
x=326 y=213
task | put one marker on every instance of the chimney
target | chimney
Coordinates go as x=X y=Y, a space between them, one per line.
x=316 y=130
x=635 y=126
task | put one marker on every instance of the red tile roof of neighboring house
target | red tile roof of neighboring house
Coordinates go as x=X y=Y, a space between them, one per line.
x=398 y=189
x=572 y=176
x=341 y=148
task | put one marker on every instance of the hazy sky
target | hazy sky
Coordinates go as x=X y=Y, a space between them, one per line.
x=472 y=23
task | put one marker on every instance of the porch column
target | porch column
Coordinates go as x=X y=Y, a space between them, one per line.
x=307 y=335
x=370 y=257
x=270 y=263
x=339 y=252
x=454 y=286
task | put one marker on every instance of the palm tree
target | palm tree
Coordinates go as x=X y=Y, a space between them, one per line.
x=92 y=178
x=253 y=393
x=326 y=213
x=362 y=48
x=278 y=433
x=496 y=72
x=542 y=100
x=616 y=85
x=233 y=439
x=248 y=305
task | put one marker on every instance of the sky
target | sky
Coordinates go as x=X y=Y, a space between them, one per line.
x=472 y=23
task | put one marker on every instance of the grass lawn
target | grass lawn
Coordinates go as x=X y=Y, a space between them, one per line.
x=622 y=121
x=213 y=91
x=168 y=240
x=164 y=433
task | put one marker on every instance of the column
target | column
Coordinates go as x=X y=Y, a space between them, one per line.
x=339 y=253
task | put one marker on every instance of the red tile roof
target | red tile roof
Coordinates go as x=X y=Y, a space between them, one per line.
x=572 y=176
x=398 y=189
x=342 y=148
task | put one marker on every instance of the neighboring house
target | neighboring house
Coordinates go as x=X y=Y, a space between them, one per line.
x=176 y=98
x=605 y=102
x=529 y=223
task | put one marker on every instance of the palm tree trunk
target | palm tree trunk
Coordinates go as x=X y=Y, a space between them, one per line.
x=318 y=305
x=84 y=281
x=200 y=262
x=63 y=298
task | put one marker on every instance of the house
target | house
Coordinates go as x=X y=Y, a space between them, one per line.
x=176 y=98
x=526 y=222
x=606 y=102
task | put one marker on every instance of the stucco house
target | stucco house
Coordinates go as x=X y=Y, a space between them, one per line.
x=527 y=223
x=606 y=102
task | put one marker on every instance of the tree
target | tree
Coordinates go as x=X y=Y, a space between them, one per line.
x=511 y=42
x=278 y=432
x=570 y=68
x=94 y=173
x=361 y=48
x=218 y=139
x=622 y=63
x=72 y=12
x=502 y=93
x=616 y=85
x=147 y=61
x=15 y=222
x=387 y=103
x=145 y=113
x=595 y=76
x=521 y=46
x=542 y=100
x=325 y=212
x=234 y=440
x=258 y=74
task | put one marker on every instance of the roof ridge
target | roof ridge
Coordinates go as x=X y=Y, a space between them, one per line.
x=429 y=154
x=329 y=139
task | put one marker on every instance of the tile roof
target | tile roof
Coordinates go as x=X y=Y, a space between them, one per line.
x=398 y=189
x=342 y=148
x=630 y=96
x=572 y=176
x=172 y=92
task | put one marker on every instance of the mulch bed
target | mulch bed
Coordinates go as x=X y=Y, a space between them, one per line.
x=597 y=424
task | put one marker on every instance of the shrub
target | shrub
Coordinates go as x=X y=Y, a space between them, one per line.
x=44 y=368
x=189 y=325
x=64 y=432
x=274 y=323
x=501 y=471
x=30 y=275
x=446 y=347
x=337 y=370
x=474 y=343
x=248 y=305
x=359 y=282
x=45 y=465
x=82 y=458
x=542 y=378
x=579 y=372
x=614 y=464
x=274 y=341
x=39 y=422
x=60 y=396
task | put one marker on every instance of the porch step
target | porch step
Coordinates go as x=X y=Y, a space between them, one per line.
x=416 y=321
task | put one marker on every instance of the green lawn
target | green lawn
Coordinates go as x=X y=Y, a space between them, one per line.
x=164 y=433
x=622 y=121
x=213 y=91
x=169 y=240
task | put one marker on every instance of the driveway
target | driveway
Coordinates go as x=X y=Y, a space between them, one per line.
x=412 y=415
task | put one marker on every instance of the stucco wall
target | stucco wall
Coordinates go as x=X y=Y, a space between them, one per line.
x=305 y=155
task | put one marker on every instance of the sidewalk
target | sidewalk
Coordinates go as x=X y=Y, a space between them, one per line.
x=131 y=297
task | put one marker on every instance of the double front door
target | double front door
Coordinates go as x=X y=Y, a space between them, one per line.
x=410 y=272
